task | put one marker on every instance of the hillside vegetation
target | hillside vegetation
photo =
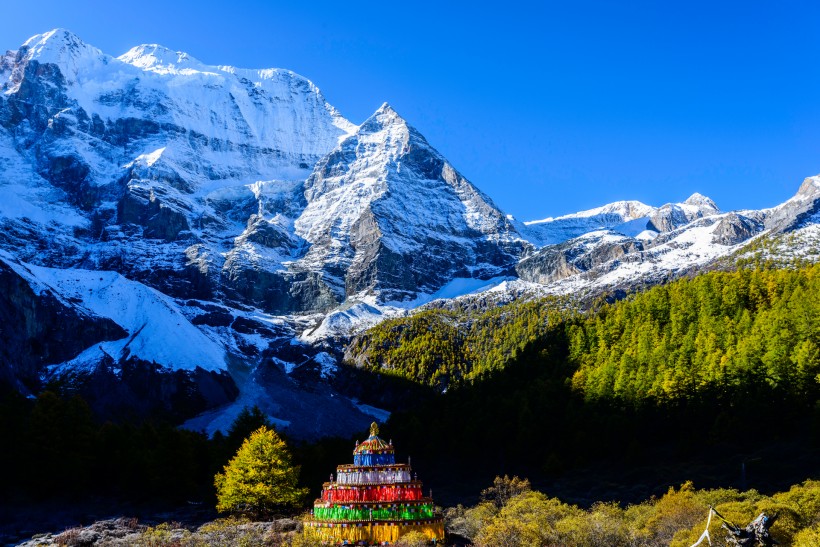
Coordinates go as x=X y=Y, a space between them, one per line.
x=696 y=380
x=512 y=514
x=530 y=518
x=718 y=332
x=443 y=348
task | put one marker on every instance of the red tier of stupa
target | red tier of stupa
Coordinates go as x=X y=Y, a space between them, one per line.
x=374 y=501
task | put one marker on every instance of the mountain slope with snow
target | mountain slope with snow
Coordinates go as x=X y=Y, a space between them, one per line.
x=109 y=153
x=679 y=239
x=157 y=331
x=226 y=230
x=551 y=231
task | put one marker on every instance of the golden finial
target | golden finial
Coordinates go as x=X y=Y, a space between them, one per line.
x=374 y=429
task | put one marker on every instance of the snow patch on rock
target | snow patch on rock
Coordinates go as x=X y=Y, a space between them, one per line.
x=157 y=331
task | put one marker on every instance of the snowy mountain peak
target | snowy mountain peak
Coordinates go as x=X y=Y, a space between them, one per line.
x=64 y=49
x=386 y=110
x=160 y=59
x=702 y=202
x=620 y=215
x=384 y=198
x=627 y=210
x=383 y=118
x=810 y=187
x=56 y=40
x=629 y=218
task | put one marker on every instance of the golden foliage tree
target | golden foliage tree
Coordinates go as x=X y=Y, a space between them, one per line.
x=260 y=478
x=504 y=488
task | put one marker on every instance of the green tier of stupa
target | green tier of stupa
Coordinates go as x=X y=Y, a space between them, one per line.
x=418 y=510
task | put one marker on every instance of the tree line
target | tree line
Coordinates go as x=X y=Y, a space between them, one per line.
x=54 y=448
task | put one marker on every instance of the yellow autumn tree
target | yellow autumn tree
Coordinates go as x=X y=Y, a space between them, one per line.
x=260 y=478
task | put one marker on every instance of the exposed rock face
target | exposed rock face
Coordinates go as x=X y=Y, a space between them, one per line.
x=672 y=216
x=583 y=254
x=734 y=229
x=798 y=209
x=667 y=218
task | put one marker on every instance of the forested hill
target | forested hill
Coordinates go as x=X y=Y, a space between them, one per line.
x=441 y=348
x=715 y=332
x=718 y=333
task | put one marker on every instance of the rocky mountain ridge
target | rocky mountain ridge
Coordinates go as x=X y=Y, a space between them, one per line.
x=230 y=228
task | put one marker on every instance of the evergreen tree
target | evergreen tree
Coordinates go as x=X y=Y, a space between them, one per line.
x=260 y=478
x=248 y=421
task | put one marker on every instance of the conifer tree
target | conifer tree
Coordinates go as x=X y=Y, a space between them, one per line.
x=260 y=478
x=248 y=421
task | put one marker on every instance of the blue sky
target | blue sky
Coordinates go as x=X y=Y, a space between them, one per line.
x=549 y=107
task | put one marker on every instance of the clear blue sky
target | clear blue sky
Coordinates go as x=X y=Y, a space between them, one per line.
x=549 y=107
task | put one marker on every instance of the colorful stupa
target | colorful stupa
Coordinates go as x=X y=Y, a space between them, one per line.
x=374 y=501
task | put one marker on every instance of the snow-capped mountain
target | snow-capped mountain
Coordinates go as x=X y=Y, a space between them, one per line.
x=631 y=218
x=103 y=154
x=672 y=240
x=231 y=194
x=604 y=238
x=171 y=230
x=383 y=200
x=212 y=165
x=618 y=215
